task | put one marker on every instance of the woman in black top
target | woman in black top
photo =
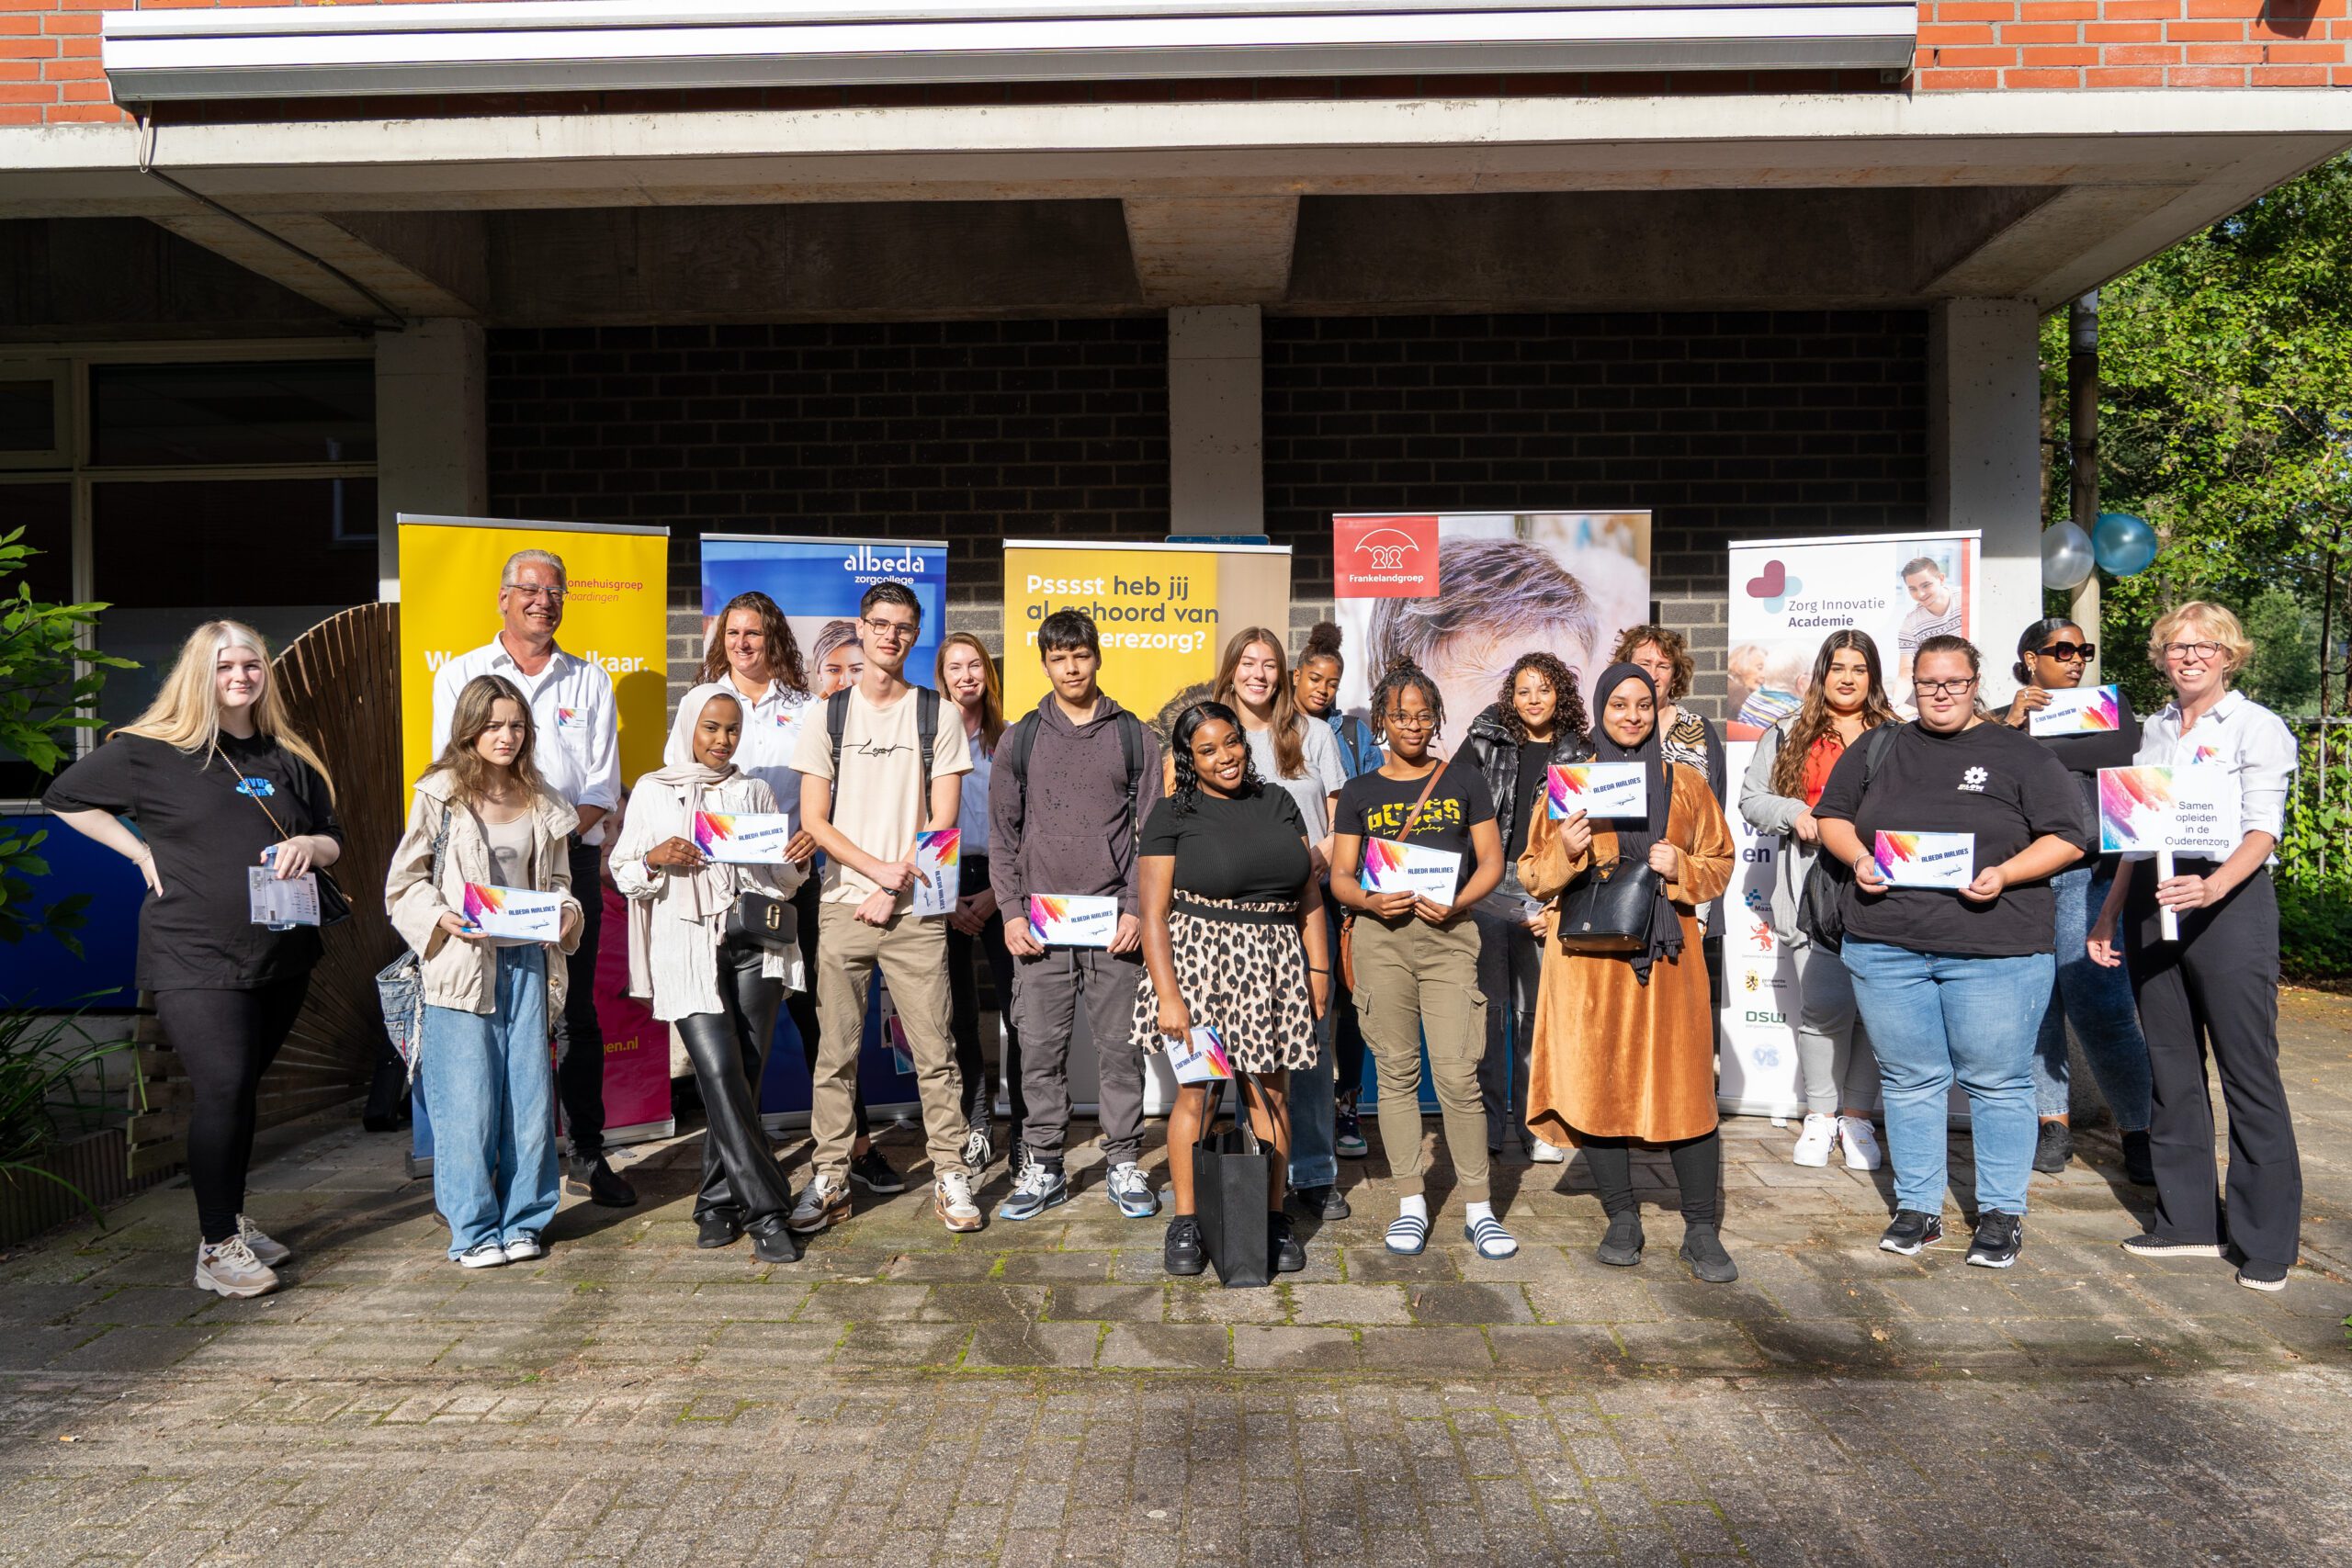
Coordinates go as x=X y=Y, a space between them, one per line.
x=1234 y=939
x=1537 y=721
x=1951 y=983
x=217 y=783
x=1416 y=959
x=2052 y=656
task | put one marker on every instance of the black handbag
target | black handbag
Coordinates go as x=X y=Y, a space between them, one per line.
x=1233 y=1176
x=1608 y=910
x=762 y=917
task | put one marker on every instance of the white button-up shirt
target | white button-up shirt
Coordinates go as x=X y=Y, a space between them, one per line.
x=771 y=728
x=577 y=747
x=2242 y=736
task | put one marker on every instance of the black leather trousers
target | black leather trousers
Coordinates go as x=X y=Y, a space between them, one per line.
x=728 y=1049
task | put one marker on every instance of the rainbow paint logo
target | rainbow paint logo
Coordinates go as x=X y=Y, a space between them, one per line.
x=1926 y=859
x=2205 y=754
x=482 y=901
x=1597 y=789
x=942 y=847
x=2133 y=804
x=1066 y=919
x=1200 y=1058
x=569 y=718
x=712 y=828
x=1383 y=862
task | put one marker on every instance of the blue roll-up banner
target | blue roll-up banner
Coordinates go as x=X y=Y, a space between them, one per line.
x=817 y=583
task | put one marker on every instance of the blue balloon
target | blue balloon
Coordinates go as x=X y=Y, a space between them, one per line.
x=2123 y=545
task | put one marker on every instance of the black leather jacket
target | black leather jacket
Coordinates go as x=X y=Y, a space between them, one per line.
x=1492 y=747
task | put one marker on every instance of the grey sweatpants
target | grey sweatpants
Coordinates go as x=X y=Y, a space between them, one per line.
x=1835 y=1062
x=1045 y=997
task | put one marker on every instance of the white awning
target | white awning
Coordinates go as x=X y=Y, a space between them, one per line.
x=619 y=45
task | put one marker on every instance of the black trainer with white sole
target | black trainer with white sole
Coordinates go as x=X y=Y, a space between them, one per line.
x=1912 y=1233
x=1999 y=1238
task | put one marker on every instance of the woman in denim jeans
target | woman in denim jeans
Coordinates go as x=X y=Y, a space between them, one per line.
x=1953 y=978
x=2053 y=656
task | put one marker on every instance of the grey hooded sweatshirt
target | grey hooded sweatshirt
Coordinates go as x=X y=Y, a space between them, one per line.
x=1070 y=826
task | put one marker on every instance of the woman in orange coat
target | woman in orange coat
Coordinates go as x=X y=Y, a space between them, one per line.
x=1623 y=1051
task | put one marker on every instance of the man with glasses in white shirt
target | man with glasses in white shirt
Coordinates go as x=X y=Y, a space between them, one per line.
x=578 y=753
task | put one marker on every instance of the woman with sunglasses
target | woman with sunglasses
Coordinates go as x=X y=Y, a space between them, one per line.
x=2054 y=656
x=2218 y=985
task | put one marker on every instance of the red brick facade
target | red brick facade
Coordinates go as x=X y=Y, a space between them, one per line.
x=50 y=73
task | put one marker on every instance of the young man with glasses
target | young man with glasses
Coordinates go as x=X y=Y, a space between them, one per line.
x=866 y=789
x=578 y=753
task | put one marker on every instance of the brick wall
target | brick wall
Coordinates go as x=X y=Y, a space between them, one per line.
x=49 y=64
x=1719 y=424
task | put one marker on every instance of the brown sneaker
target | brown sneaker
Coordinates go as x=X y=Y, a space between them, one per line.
x=951 y=1200
x=823 y=1203
x=231 y=1269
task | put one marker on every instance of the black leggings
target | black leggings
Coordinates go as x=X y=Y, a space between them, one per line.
x=964 y=1007
x=802 y=1004
x=226 y=1040
x=1697 y=1171
x=728 y=1049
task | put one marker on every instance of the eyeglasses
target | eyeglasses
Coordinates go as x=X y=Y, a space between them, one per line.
x=533 y=595
x=1412 y=721
x=2070 y=650
x=897 y=631
x=1944 y=688
x=2193 y=650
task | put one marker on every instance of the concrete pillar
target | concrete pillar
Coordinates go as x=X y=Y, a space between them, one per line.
x=1216 y=421
x=1983 y=460
x=432 y=434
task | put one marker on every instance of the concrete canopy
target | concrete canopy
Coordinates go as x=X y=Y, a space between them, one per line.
x=1310 y=206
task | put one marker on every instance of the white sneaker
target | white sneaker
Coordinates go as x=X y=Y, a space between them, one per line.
x=524 y=1247
x=230 y=1268
x=1813 y=1144
x=1861 y=1141
x=825 y=1201
x=951 y=1200
x=272 y=1253
x=1547 y=1154
x=483 y=1255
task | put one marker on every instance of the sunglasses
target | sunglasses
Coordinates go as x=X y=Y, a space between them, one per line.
x=2082 y=650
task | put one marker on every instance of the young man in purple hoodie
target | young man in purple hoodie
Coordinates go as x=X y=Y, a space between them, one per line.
x=1072 y=783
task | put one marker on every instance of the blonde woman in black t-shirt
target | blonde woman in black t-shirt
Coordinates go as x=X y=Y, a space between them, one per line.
x=215 y=778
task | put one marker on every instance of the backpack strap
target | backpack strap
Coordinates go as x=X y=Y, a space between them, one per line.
x=1132 y=743
x=926 y=741
x=836 y=723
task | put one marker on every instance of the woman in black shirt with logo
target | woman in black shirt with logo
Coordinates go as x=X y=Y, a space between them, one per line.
x=1951 y=983
x=214 y=779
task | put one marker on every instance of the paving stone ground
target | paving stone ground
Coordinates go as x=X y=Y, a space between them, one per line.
x=1041 y=1394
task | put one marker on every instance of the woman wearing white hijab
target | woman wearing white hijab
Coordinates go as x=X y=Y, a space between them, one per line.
x=722 y=993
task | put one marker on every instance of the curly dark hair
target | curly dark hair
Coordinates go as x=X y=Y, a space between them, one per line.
x=1179 y=745
x=1567 y=713
x=1406 y=675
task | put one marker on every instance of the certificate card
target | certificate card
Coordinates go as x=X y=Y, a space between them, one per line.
x=743 y=838
x=1599 y=789
x=515 y=912
x=2163 y=808
x=1946 y=860
x=1067 y=919
x=2084 y=710
x=939 y=877
x=292 y=902
x=1392 y=866
x=1199 y=1058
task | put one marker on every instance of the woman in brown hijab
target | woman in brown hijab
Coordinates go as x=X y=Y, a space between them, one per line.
x=1624 y=1052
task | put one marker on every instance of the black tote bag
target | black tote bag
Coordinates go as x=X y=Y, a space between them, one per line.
x=1233 y=1176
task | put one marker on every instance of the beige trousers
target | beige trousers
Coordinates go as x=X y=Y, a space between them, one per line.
x=912 y=954
x=1417 y=982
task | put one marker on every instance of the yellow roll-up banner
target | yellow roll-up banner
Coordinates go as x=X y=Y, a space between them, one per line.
x=1164 y=611
x=615 y=613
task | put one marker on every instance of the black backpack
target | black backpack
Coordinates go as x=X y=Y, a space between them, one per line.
x=1821 y=902
x=926 y=738
x=1021 y=740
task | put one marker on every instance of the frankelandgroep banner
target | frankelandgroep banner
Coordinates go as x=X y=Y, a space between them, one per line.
x=616 y=612
x=1786 y=596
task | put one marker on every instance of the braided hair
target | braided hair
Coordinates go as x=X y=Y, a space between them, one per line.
x=1403 y=675
x=1567 y=713
x=1179 y=745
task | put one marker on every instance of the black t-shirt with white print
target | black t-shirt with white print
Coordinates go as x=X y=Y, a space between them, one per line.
x=1995 y=781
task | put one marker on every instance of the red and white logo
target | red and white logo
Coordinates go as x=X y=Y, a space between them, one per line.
x=1383 y=557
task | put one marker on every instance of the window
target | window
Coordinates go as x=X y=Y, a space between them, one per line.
x=226 y=415
x=33 y=408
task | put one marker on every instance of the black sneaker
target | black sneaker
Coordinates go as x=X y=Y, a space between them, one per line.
x=2270 y=1276
x=1289 y=1255
x=2155 y=1245
x=718 y=1228
x=1184 y=1253
x=1702 y=1250
x=2139 y=1160
x=773 y=1241
x=1912 y=1233
x=1621 y=1247
x=2052 y=1147
x=594 y=1178
x=873 y=1173
x=2000 y=1236
x=1320 y=1202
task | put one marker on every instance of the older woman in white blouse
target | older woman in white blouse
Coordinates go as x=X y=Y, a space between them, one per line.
x=721 y=992
x=2220 y=980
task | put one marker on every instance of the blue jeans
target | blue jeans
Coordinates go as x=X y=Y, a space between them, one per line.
x=2098 y=1003
x=1314 y=1137
x=1938 y=1017
x=491 y=1090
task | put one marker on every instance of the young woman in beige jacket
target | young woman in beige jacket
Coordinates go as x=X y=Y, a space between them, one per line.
x=483 y=814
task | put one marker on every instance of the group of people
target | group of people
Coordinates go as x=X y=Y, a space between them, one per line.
x=1239 y=866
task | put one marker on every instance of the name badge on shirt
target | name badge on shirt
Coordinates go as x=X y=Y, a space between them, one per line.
x=574 y=719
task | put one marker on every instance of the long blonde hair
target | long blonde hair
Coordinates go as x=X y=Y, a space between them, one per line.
x=1287 y=727
x=991 y=689
x=467 y=769
x=186 y=714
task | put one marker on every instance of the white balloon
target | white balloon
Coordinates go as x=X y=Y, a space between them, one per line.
x=2067 y=560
